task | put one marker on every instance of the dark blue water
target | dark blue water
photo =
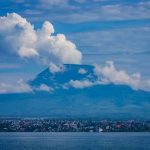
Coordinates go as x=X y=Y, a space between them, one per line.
x=74 y=141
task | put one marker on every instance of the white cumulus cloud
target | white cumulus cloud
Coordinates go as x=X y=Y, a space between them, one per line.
x=44 y=87
x=18 y=36
x=82 y=71
x=27 y=52
x=109 y=74
x=80 y=84
x=53 y=68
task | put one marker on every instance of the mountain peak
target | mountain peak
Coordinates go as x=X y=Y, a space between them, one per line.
x=65 y=75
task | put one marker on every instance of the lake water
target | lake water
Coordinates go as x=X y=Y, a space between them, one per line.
x=74 y=141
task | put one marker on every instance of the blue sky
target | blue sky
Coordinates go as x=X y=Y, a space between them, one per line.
x=116 y=30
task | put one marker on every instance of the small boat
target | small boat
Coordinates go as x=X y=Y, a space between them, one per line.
x=100 y=130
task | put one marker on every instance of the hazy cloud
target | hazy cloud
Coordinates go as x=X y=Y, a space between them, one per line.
x=53 y=2
x=107 y=12
x=19 y=87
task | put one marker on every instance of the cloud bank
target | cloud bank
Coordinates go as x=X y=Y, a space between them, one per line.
x=109 y=74
x=19 y=87
x=26 y=42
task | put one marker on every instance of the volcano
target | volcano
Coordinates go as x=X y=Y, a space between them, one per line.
x=66 y=101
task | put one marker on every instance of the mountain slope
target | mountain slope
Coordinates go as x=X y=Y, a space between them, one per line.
x=99 y=101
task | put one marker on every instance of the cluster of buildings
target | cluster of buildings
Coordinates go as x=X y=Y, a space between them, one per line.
x=63 y=125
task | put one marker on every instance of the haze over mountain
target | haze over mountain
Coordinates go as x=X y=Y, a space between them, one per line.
x=70 y=91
